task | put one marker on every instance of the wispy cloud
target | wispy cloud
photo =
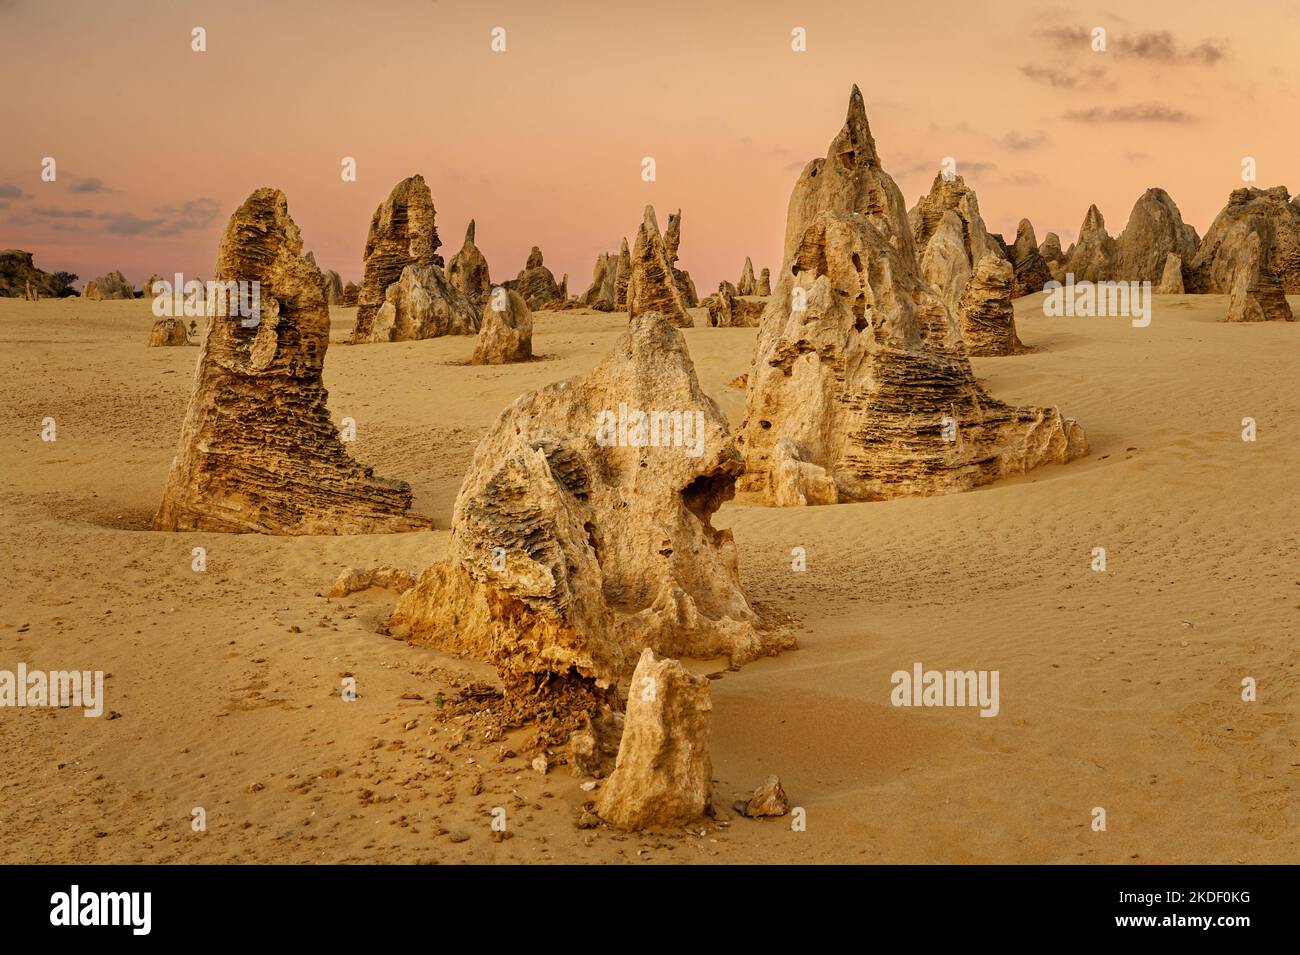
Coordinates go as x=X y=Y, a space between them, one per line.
x=1142 y=113
x=89 y=185
x=1160 y=46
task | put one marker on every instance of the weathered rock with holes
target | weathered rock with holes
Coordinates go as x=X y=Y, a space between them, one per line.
x=663 y=776
x=861 y=364
x=1032 y=271
x=1093 y=256
x=108 y=287
x=167 y=332
x=582 y=532
x=1155 y=230
x=258 y=451
x=506 y=334
x=468 y=271
x=402 y=232
x=1213 y=268
x=651 y=287
x=423 y=304
x=536 y=283
x=1171 y=277
x=988 y=321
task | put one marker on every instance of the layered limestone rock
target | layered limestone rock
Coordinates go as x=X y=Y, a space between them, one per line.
x=333 y=287
x=506 y=333
x=468 y=271
x=30 y=294
x=351 y=292
x=764 y=283
x=747 y=285
x=582 y=532
x=167 y=332
x=17 y=270
x=421 y=304
x=258 y=451
x=1155 y=230
x=402 y=232
x=848 y=179
x=1052 y=256
x=602 y=294
x=536 y=283
x=651 y=286
x=988 y=323
x=1213 y=268
x=682 y=279
x=1256 y=294
x=729 y=310
x=953 y=248
x=663 y=776
x=111 y=286
x=1093 y=255
x=860 y=363
x=623 y=276
x=1171 y=276
x=1032 y=271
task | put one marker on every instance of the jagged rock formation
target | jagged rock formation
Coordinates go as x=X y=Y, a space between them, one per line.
x=402 y=232
x=468 y=271
x=954 y=248
x=747 y=284
x=537 y=284
x=421 y=304
x=988 y=323
x=351 y=292
x=17 y=270
x=167 y=332
x=1256 y=295
x=1213 y=268
x=506 y=333
x=568 y=556
x=767 y=800
x=1155 y=230
x=1052 y=256
x=146 y=287
x=953 y=195
x=1032 y=271
x=1171 y=276
x=672 y=239
x=602 y=294
x=651 y=287
x=729 y=310
x=622 y=276
x=1093 y=255
x=258 y=451
x=664 y=774
x=111 y=286
x=859 y=362
x=764 y=283
x=333 y=287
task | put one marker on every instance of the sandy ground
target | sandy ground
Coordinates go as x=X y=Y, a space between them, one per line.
x=1118 y=689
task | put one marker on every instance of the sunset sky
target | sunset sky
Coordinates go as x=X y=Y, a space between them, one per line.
x=542 y=144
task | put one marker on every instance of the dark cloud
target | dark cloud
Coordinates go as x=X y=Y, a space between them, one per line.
x=47 y=212
x=1157 y=46
x=1143 y=113
x=1019 y=142
x=129 y=224
x=167 y=221
x=1063 y=79
x=88 y=185
x=8 y=191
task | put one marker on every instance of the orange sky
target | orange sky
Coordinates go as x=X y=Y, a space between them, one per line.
x=156 y=145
